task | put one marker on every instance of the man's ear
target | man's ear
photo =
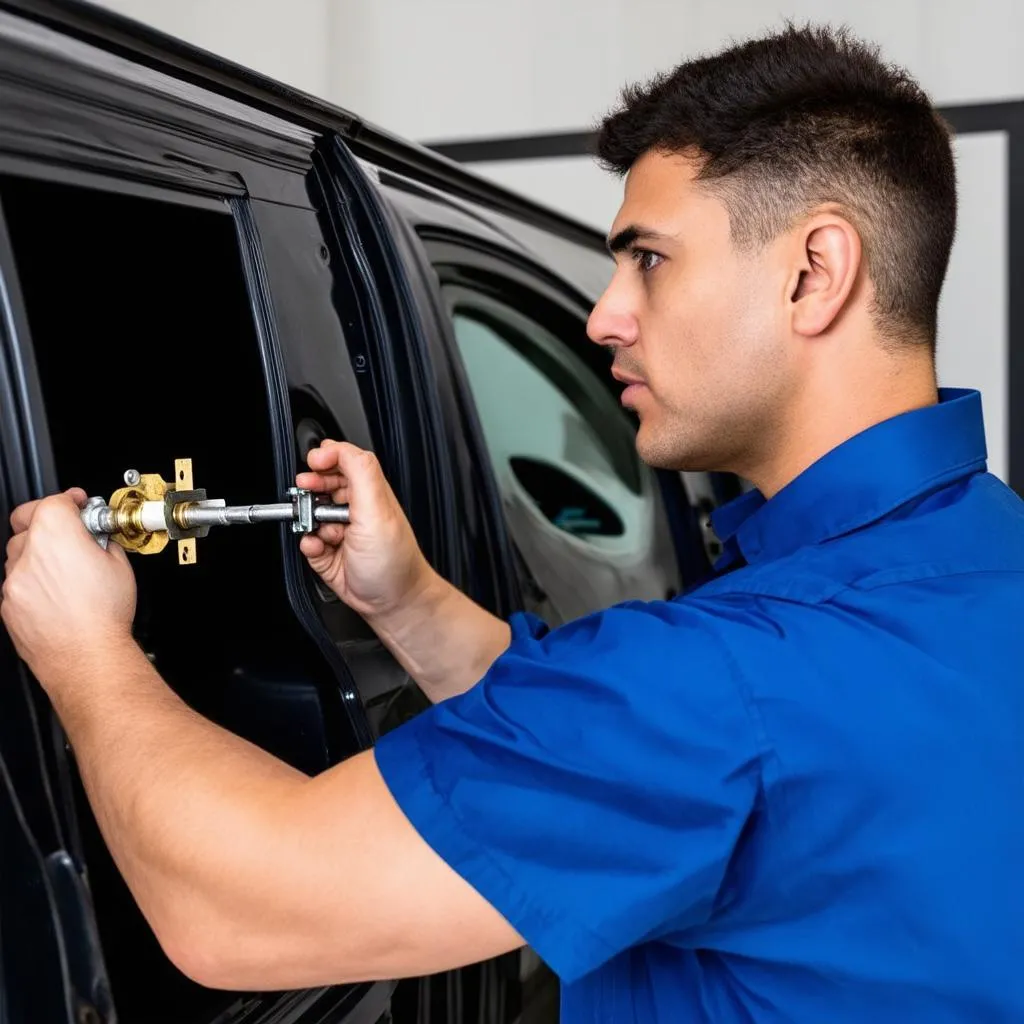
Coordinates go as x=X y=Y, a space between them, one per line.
x=828 y=263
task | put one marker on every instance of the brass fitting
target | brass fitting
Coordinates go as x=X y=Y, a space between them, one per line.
x=126 y=504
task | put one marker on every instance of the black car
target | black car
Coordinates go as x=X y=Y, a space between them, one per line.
x=199 y=263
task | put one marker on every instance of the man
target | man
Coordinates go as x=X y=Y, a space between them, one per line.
x=794 y=794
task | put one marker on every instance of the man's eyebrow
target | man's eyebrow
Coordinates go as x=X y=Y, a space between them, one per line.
x=628 y=236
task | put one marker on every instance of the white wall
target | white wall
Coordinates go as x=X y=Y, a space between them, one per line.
x=440 y=69
x=287 y=41
x=973 y=349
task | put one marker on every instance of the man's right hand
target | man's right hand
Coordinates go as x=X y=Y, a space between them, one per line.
x=374 y=563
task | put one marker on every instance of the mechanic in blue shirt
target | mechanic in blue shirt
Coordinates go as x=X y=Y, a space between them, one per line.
x=795 y=794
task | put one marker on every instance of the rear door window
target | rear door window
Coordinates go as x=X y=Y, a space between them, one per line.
x=583 y=510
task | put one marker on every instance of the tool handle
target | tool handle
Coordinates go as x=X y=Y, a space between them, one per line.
x=331 y=514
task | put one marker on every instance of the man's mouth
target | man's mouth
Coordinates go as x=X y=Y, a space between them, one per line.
x=627 y=378
x=634 y=387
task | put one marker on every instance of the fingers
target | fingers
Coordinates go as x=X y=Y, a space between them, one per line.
x=312 y=546
x=15 y=547
x=342 y=458
x=325 y=476
x=341 y=469
x=22 y=516
x=321 y=482
x=326 y=456
x=330 y=535
x=367 y=490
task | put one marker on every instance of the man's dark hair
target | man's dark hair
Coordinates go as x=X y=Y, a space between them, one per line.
x=801 y=118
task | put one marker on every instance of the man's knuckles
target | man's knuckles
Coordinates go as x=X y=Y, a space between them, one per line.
x=56 y=510
x=13 y=590
x=45 y=518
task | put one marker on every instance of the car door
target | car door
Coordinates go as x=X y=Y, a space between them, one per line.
x=41 y=900
x=170 y=293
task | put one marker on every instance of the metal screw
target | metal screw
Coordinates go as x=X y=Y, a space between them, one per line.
x=131 y=477
x=89 y=1015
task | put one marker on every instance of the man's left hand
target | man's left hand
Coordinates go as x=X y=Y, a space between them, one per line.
x=63 y=595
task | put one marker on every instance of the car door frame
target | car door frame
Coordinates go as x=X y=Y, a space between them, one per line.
x=255 y=177
x=31 y=821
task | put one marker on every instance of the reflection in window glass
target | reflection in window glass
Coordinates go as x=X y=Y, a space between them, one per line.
x=581 y=508
x=524 y=415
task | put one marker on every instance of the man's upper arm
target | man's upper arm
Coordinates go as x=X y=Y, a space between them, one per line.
x=590 y=788
x=585 y=796
x=343 y=890
x=417 y=916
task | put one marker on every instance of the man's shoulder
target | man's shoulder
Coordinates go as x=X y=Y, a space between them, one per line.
x=974 y=530
x=956 y=549
x=689 y=645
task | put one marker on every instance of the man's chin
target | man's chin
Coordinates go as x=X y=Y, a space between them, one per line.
x=661 y=453
x=655 y=452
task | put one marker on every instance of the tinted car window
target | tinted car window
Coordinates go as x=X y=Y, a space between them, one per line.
x=562 y=451
x=581 y=507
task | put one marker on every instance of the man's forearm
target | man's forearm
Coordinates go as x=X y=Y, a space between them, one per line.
x=443 y=639
x=251 y=874
x=182 y=804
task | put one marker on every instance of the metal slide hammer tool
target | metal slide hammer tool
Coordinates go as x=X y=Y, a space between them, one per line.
x=148 y=512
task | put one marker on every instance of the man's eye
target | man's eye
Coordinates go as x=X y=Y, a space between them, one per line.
x=646 y=260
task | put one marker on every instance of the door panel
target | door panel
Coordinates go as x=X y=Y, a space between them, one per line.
x=38 y=930
x=168 y=307
x=236 y=634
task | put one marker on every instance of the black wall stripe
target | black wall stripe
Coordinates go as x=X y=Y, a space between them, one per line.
x=517 y=147
x=1015 y=313
x=979 y=117
x=964 y=119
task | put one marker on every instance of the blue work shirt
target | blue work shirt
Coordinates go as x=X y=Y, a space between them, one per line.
x=796 y=793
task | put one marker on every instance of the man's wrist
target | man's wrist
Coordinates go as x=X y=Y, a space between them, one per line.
x=424 y=598
x=100 y=658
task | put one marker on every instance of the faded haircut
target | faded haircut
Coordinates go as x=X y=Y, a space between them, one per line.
x=801 y=118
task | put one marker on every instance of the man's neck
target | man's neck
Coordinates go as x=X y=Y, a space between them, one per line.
x=829 y=416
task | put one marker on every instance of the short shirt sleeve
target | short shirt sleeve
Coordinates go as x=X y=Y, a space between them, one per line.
x=593 y=785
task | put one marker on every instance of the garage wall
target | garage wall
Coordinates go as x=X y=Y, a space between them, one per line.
x=973 y=349
x=455 y=68
x=287 y=41
x=444 y=69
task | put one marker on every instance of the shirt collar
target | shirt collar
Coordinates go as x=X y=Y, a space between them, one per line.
x=860 y=482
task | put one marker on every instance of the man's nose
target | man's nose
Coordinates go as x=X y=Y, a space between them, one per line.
x=613 y=321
